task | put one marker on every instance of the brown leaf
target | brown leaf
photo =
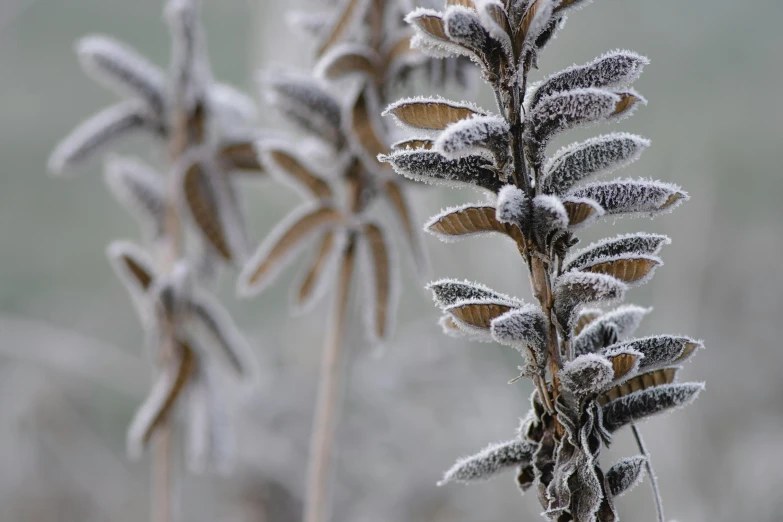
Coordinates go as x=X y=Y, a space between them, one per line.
x=431 y=25
x=381 y=281
x=478 y=315
x=201 y=202
x=400 y=206
x=181 y=373
x=351 y=62
x=430 y=115
x=413 y=143
x=640 y=382
x=628 y=270
x=240 y=155
x=578 y=212
x=290 y=239
x=142 y=275
x=474 y=220
x=687 y=351
x=623 y=363
x=585 y=317
x=627 y=101
x=316 y=268
x=524 y=24
x=314 y=184
x=340 y=26
x=362 y=126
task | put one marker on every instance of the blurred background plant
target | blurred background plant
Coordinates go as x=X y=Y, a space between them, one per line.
x=72 y=373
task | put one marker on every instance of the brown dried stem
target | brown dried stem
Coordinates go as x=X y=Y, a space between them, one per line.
x=318 y=497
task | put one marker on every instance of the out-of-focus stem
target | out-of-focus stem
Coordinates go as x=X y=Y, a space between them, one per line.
x=318 y=496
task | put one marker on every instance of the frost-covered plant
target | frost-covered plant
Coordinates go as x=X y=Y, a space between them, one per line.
x=363 y=52
x=192 y=222
x=591 y=377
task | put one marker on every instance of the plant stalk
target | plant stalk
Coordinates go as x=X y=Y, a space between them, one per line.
x=318 y=496
x=653 y=479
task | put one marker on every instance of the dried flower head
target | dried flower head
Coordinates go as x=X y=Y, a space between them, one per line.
x=591 y=376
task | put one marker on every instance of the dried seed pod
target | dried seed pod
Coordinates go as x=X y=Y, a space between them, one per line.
x=633 y=269
x=582 y=212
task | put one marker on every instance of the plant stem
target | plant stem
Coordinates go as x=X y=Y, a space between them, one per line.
x=160 y=493
x=653 y=480
x=318 y=498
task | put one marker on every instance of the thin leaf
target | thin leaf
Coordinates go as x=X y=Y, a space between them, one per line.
x=212 y=325
x=283 y=243
x=644 y=381
x=574 y=290
x=202 y=204
x=348 y=59
x=402 y=212
x=633 y=197
x=478 y=314
x=611 y=70
x=640 y=243
x=289 y=168
x=379 y=283
x=430 y=114
x=160 y=401
x=447 y=292
x=470 y=220
x=349 y=13
x=362 y=114
x=632 y=269
x=625 y=475
x=582 y=212
x=431 y=167
x=141 y=190
x=240 y=155
x=314 y=282
x=590 y=158
x=609 y=328
x=493 y=459
x=100 y=131
x=124 y=70
x=641 y=404
x=662 y=351
x=479 y=135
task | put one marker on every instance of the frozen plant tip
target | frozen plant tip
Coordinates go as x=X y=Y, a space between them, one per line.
x=591 y=376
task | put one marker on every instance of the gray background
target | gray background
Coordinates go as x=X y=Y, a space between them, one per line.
x=72 y=367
